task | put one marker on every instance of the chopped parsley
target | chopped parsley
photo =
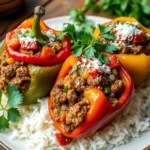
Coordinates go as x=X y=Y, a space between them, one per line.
x=74 y=68
x=65 y=88
x=81 y=70
x=9 y=111
x=106 y=31
x=139 y=9
x=83 y=42
x=79 y=18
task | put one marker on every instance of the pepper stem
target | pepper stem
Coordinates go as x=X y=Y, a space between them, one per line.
x=39 y=11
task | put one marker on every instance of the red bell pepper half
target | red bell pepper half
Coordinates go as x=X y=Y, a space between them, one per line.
x=37 y=26
x=101 y=112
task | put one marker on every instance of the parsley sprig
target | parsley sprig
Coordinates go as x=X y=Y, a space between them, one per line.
x=79 y=18
x=9 y=111
x=83 y=42
x=139 y=9
x=106 y=31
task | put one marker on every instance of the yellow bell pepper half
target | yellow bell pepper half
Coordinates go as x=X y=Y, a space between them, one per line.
x=137 y=65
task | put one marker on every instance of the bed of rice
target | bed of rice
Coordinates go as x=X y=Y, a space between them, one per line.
x=37 y=128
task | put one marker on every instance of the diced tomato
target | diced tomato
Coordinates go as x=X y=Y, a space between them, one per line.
x=94 y=73
x=63 y=140
x=139 y=38
x=113 y=61
x=47 y=52
x=14 y=43
x=29 y=45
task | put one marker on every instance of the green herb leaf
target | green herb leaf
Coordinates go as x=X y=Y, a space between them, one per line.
x=89 y=53
x=15 y=97
x=128 y=8
x=86 y=38
x=106 y=90
x=0 y=96
x=81 y=70
x=13 y=115
x=69 y=28
x=103 y=58
x=73 y=69
x=4 y=124
x=77 y=51
x=65 y=88
x=109 y=36
x=111 y=48
x=104 y=29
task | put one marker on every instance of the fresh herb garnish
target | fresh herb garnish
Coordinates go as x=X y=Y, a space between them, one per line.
x=106 y=31
x=81 y=70
x=9 y=111
x=74 y=68
x=139 y=9
x=79 y=18
x=83 y=42
x=106 y=90
x=65 y=88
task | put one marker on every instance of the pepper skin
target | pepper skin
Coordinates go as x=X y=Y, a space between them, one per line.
x=101 y=112
x=42 y=79
x=137 y=65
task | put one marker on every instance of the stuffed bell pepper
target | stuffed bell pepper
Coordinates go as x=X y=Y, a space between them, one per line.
x=88 y=95
x=132 y=41
x=31 y=57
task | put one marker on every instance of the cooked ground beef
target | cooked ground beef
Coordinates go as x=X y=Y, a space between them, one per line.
x=16 y=73
x=129 y=46
x=71 y=107
x=79 y=84
x=135 y=49
x=116 y=87
x=57 y=45
x=77 y=113
x=94 y=81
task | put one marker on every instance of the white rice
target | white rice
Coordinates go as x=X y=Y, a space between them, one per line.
x=37 y=129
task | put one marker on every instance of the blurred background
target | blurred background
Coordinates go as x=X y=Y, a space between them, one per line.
x=13 y=12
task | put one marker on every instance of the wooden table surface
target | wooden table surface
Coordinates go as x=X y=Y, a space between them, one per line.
x=54 y=8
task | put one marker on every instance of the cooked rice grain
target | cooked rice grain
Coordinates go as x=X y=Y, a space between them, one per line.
x=37 y=129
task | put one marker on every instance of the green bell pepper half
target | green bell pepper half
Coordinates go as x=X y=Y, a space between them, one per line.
x=42 y=79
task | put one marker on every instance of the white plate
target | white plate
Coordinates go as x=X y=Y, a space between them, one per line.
x=135 y=144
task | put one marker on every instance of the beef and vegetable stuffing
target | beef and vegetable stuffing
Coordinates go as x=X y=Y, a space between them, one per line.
x=69 y=102
x=130 y=38
x=26 y=44
x=13 y=72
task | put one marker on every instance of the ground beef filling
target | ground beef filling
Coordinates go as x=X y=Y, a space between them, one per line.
x=129 y=47
x=16 y=73
x=136 y=49
x=70 y=107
